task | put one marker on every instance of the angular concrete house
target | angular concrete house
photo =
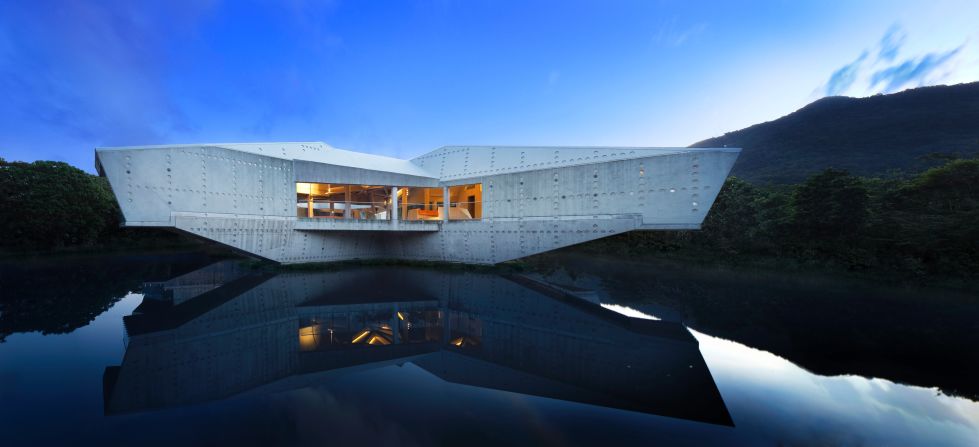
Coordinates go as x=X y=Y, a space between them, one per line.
x=309 y=202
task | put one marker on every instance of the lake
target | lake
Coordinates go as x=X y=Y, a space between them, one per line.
x=568 y=349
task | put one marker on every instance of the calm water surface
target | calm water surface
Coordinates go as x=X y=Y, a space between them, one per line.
x=186 y=349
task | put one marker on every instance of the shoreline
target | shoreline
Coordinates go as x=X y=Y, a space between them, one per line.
x=735 y=264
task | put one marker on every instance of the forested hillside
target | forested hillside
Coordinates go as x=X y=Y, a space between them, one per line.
x=865 y=136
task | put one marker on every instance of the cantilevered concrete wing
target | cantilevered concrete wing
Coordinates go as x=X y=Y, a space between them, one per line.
x=309 y=202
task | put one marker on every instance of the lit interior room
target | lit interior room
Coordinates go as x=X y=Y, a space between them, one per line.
x=341 y=330
x=366 y=202
x=339 y=201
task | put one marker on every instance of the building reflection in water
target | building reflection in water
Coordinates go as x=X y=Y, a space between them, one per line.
x=224 y=330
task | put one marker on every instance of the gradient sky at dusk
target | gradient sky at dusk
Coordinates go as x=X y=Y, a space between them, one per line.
x=402 y=78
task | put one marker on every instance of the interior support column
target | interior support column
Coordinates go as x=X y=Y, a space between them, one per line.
x=394 y=206
x=404 y=206
x=445 y=204
x=346 y=203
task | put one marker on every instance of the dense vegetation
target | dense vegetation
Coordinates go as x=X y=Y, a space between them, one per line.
x=922 y=225
x=48 y=205
x=865 y=136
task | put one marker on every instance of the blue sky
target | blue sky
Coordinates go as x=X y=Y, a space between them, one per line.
x=402 y=78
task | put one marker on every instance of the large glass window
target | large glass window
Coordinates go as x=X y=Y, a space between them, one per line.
x=339 y=201
x=421 y=204
x=466 y=202
x=344 y=201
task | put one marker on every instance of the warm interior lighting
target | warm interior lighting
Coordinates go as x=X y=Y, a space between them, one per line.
x=378 y=340
x=381 y=336
x=360 y=336
x=415 y=203
x=342 y=201
x=309 y=337
x=420 y=203
x=401 y=317
x=458 y=341
x=466 y=202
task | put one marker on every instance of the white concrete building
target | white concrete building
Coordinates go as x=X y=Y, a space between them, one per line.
x=309 y=202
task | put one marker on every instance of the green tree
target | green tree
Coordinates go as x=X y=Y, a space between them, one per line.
x=732 y=221
x=48 y=204
x=773 y=235
x=830 y=206
x=930 y=221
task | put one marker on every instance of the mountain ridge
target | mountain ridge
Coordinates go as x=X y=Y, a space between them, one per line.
x=867 y=136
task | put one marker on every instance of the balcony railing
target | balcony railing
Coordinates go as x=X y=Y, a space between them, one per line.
x=337 y=210
x=407 y=212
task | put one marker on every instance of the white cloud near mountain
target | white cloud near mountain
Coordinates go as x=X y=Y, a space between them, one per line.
x=885 y=69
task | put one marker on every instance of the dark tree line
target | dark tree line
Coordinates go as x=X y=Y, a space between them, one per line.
x=927 y=224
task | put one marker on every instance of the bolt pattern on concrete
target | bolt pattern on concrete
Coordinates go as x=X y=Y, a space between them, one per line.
x=534 y=199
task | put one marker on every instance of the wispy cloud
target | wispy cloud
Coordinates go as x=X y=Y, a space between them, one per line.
x=673 y=34
x=845 y=76
x=913 y=72
x=891 y=43
x=114 y=72
x=888 y=71
x=99 y=75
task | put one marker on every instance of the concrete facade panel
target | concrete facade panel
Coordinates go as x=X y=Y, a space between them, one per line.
x=533 y=199
x=307 y=171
